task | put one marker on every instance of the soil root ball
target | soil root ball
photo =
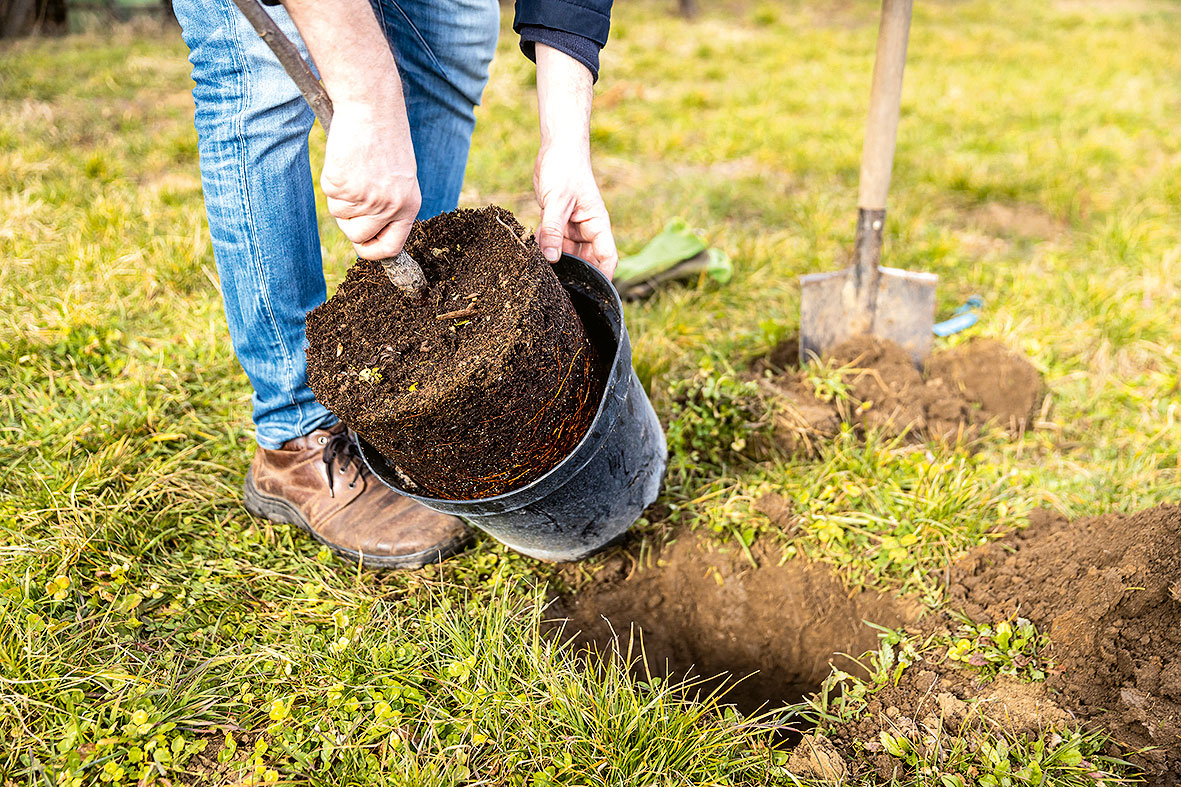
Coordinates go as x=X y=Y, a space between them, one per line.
x=479 y=387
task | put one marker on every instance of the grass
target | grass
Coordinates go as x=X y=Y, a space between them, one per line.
x=149 y=626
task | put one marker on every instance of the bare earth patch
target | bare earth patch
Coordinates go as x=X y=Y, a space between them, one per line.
x=964 y=388
x=1108 y=591
x=1020 y=219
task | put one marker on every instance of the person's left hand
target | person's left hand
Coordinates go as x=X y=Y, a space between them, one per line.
x=574 y=219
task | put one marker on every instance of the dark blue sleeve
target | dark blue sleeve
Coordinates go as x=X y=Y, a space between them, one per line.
x=578 y=47
x=578 y=28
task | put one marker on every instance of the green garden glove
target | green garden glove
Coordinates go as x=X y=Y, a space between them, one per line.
x=677 y=253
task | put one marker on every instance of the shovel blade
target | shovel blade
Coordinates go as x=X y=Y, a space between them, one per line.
x=904 y=311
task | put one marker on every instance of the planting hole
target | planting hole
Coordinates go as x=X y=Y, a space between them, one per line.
x=707 y=612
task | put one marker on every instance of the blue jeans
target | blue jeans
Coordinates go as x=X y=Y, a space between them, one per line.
x=252 y=126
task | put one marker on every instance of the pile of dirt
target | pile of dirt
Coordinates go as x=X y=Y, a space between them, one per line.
x=706 y=611
x=478 y=387
x=963 y=389
x=936 y=705
x=1108 y=592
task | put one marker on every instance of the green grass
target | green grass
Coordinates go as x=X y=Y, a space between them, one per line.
x=145 y=618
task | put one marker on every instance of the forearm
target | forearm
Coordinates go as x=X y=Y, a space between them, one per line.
x=573 y=216
x=370 y=176
x=564 y=96
x=350 y=51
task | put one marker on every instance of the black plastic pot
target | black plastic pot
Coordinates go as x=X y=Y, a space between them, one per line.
x=600 y=489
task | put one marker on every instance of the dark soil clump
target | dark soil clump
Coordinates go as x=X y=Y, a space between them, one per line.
x=1108 y=592
x=477 y=388
x=705 y=611
x=964 y=389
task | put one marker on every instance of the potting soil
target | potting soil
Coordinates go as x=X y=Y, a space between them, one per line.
x=477 y=388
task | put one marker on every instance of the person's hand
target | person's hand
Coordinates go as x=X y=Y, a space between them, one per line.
x=370 y=177
x=574 y=219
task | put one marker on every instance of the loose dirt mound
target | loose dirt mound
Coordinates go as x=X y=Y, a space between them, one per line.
x=1004 y=386
x=1108 y=591
x=935 y=705
x=964 y=388
x=705 y=612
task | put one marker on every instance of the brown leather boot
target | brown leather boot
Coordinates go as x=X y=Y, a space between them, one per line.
x=320 y=483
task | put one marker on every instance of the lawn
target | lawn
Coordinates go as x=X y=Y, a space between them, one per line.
x=151 y=630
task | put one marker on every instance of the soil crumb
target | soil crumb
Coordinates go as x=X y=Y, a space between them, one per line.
x=474 y=389
x=965 y=388
x=1108 y=592
x=701 y=610
x=814 y=757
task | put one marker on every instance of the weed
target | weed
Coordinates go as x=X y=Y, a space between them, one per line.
x=717 y=421
x=981 y=751
x=1008 y=648
x=828 y=382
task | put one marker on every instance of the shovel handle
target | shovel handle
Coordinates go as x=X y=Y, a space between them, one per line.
x=289 y=57
x=885 y=96
x=877 y=160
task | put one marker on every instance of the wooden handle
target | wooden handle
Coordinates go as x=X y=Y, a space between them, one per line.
x=881 y=132
x=292 y=62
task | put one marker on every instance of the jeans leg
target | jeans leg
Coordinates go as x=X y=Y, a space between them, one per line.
x=443 y=48
x=252 y=127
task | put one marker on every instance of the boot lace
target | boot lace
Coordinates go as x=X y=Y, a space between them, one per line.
x=340 y=452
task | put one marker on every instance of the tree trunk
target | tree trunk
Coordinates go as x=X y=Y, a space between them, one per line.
x=32 y=17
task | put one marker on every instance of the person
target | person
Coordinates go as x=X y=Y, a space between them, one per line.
x=405 y=77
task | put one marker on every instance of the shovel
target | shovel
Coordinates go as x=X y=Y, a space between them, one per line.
x=402 y=270
x=866 y=298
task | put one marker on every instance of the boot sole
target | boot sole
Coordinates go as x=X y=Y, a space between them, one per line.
x=276 y=509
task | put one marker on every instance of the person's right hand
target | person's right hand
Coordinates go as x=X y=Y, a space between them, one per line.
x=370 y=177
